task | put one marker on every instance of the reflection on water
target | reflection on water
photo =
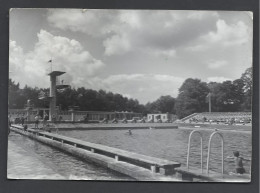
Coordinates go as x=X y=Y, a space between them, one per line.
x=171 y=144
x=64 y=164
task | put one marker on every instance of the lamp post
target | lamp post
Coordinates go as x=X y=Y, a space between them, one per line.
x=209 y=97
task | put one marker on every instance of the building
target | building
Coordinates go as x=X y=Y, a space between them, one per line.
x=161 y=117
x=73 y=115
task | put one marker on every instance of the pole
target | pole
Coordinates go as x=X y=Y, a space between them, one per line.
x=50 y=61
x=210 y=102
x=51 y=65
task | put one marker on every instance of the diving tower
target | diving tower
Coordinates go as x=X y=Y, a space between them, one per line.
x=52 y=96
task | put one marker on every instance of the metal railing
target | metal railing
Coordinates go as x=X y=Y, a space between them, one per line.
x=201 y=149
x=209 y=150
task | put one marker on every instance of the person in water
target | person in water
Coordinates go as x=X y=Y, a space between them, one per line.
x=238 y=162
x=130 y=132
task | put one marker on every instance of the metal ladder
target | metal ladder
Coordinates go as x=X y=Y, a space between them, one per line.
x=209 y=149
x=201 y=149
x=222 y=150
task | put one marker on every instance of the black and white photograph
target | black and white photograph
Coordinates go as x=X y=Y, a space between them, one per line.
x=130 y=95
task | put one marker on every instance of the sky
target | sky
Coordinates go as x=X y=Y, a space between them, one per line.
x=141 y=54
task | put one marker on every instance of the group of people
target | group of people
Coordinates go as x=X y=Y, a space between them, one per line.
x=229 y=121
x=115 y=120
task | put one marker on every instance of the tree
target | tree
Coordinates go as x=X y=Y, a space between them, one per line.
x=239 y=94
x=91 y=100
x=247 y=78
x=18 y=97
x=191 y=97
x=165 y=104
x=13 y=95
x=227 y=96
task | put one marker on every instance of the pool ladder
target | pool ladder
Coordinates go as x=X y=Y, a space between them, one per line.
x=209 y=149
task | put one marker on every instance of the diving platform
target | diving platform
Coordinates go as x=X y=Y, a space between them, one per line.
x=56 y=73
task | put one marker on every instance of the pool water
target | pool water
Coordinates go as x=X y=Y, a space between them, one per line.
x=171 y=144
x=66 y=165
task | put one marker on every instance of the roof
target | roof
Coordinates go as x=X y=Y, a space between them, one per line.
x=56 y=73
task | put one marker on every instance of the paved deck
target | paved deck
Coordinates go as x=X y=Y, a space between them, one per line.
x=22 y=165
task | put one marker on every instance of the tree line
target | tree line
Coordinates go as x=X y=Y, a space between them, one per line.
x=228 y=96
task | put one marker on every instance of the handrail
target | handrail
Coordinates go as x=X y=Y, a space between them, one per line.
x=209 y=150
x=189 y=116
x=201 y=145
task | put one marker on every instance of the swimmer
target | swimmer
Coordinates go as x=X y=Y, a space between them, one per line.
x=238 y=162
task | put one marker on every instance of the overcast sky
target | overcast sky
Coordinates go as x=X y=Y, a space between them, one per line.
x=140 y=54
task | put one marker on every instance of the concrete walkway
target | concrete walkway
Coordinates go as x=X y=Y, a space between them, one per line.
x=22 y=165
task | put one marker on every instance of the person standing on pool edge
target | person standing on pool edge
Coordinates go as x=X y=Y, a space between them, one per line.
x=37 y=121
x=238 y=162
x=45 y=119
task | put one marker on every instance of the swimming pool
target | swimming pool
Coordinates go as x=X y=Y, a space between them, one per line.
x=171 y=144
x=69 y=167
